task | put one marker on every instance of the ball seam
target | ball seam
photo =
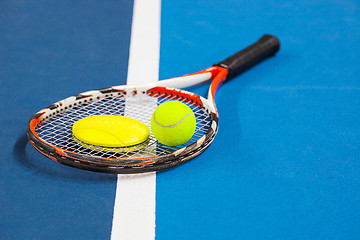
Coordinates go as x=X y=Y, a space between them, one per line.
x=190 y=114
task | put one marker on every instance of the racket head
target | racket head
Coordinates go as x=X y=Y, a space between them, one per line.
x=50 y=129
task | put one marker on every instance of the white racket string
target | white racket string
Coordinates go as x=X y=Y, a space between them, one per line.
x=57 y=130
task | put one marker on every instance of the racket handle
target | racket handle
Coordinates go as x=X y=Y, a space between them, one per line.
x=265 y=47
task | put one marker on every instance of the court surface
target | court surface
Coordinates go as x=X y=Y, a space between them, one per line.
x=284 y=165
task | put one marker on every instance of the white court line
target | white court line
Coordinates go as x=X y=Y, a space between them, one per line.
x=134 y=210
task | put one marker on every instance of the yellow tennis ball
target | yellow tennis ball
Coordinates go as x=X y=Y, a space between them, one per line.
x=173 y=123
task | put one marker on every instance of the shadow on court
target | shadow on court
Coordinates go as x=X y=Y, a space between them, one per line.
x=40 y=165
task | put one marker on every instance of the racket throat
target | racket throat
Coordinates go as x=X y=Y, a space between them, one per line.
x=215 y=85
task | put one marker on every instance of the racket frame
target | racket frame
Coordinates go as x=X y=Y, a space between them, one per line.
x=265 y=47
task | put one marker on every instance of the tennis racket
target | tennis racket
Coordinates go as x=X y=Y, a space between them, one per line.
x=50 y=129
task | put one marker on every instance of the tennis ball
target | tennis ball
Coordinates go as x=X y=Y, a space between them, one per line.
x=173 y=123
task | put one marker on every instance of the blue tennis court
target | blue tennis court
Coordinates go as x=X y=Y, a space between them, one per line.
x=284 y=165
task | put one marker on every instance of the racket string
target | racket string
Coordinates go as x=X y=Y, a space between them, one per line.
x=57 y=130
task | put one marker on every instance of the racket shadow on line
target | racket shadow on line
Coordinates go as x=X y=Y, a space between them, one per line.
x=50 y=129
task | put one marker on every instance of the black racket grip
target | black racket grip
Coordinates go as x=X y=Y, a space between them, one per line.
x=265 y=47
